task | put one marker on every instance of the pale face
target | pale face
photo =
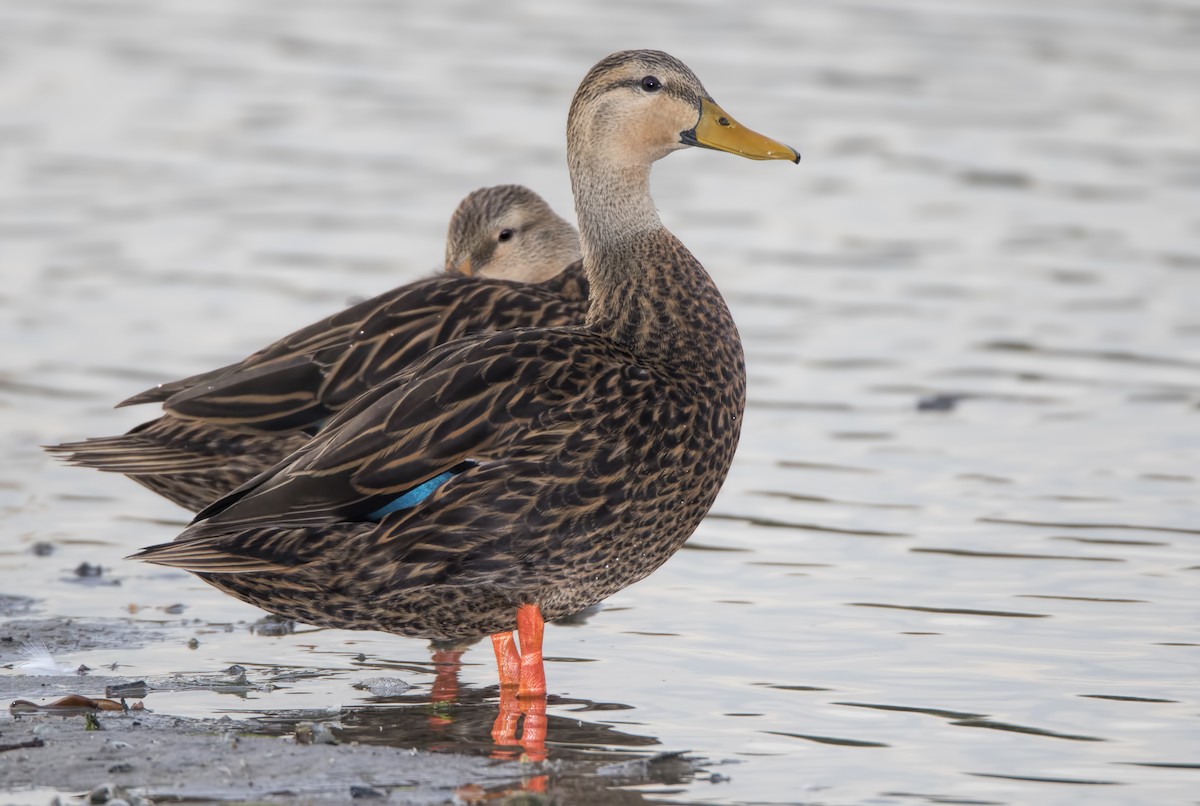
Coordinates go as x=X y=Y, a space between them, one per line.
x=508 y=232
x=636 y=107
x=640 y=111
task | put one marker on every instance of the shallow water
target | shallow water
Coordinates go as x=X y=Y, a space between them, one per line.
x=957 y=558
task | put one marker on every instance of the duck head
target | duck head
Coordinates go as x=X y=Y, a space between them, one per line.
x=508 y=232
x=637 y=106
x=633 y=108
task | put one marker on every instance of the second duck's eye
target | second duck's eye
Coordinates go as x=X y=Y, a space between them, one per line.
x=505 y=235
x=651 y=84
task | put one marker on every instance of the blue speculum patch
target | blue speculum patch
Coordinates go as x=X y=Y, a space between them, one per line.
x=412 y=497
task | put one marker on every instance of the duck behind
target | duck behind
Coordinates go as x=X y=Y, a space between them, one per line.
x=511 y=261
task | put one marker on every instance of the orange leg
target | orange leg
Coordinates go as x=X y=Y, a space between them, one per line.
x=504 y=729
x=508 y=664
x=532 y=691
x=533 y=673
x=508 y=660
x=533 y=729
x=523 y=671
x=445 y=686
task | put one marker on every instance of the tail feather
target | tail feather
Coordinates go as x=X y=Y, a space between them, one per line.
x=205 y=556
x=134 y=456
x=191 y=463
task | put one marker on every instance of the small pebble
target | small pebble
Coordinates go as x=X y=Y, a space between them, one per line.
x=102 y=793
x=383 y=686
x=273 y=625
x=938 y=402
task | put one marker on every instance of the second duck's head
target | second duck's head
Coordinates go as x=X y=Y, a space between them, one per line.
x=508 y=232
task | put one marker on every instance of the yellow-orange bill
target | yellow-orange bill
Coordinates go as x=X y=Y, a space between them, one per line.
x=717 y=130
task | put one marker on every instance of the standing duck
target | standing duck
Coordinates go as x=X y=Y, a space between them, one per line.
x=511 y=261
x=522 y=475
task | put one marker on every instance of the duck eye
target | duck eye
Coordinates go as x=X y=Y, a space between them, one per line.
x=505 y=235
x=651 y=84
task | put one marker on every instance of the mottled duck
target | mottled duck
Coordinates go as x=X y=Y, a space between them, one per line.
x=511 y=477
x=511 y=261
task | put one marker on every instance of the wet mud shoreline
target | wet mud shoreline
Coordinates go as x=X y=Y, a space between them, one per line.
x=174 y=758
x=138 y=755
x=162 y=757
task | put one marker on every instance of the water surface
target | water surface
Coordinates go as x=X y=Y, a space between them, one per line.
x=957 y=557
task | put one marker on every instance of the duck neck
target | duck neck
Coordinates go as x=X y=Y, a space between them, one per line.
x=646 y=290
x=612 y=202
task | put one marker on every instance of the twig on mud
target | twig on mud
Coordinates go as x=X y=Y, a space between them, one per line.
x=35 y=742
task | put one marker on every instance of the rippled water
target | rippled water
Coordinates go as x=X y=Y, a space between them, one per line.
x=959 y=553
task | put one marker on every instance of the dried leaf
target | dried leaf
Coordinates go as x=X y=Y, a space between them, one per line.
x=71 y=702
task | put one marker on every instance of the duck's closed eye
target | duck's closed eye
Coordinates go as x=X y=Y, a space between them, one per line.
x=651 y=84
x=505 y=235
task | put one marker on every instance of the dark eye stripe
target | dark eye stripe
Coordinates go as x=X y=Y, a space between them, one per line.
x=669 y=89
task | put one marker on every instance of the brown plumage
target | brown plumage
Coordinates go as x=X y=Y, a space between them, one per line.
x=536 y=470
x=223 y=427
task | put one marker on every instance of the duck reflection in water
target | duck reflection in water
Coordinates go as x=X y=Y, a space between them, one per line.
x=510 y=477
x=454 y=718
